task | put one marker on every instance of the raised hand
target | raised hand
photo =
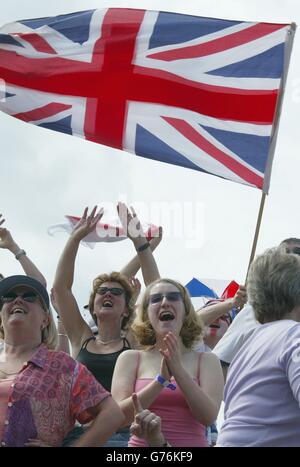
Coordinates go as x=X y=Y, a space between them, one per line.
x=146 y=424
x=6 y=240
x=130 y=222
x=240 y=298
x=86 y=224
x=136 y=286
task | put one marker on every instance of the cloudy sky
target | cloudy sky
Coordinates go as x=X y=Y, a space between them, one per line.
x=45 y=175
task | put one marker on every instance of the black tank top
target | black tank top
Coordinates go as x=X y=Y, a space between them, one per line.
x=99 y=364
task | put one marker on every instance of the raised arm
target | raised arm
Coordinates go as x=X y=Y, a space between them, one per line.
x=210 y=313
x=132 y=227
x=63 y=340
x=76 y=327
x=134 y=265
x=8 y=243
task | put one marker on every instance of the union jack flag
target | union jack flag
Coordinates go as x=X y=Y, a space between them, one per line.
x=201 y=93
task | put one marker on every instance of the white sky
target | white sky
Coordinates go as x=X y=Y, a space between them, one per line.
x=45 y=175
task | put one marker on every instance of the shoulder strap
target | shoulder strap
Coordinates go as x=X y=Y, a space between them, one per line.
x=138 y=360
x=126 y=344
x=85 y=343
x=198 y=366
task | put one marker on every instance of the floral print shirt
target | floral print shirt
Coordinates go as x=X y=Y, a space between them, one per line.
x=45 y=399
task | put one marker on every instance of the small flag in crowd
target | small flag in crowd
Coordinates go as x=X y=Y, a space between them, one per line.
x=201 y=93
x=203 y=293
x=104 y=232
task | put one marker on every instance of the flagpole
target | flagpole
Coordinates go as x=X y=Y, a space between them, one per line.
x=288 y=50
x=258 y=223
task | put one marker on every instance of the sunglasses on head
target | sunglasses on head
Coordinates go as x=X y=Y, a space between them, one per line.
x=113 y=290
x=170 y=296
x=30 y=297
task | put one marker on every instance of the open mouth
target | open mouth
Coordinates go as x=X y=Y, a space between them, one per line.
x=15 y=311
x=166 y=316
x=107 y=304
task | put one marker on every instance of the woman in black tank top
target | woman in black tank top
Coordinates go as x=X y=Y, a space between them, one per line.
x=101 y=365
x=111 y=302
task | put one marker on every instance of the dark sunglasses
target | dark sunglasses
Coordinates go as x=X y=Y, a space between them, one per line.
x=170 y=296
x=113 y=290
x=30 y=297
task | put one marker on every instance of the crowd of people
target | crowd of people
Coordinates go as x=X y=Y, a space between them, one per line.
x=149 y=372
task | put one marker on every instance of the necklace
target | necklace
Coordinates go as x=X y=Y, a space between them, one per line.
x=108 y=342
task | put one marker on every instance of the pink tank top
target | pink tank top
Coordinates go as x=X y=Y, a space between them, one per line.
x=179 y=426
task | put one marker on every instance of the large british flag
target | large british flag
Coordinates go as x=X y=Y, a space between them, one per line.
x=201 y=93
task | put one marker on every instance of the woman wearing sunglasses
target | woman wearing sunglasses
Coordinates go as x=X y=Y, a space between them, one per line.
x=111 y=303
x=176 y=383
x=43 y=392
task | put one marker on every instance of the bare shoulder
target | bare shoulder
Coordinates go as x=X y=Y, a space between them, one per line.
x=209 y=359
x=210 y=369
x=129 y=357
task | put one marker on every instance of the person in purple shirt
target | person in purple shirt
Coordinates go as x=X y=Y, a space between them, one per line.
x=262 y=392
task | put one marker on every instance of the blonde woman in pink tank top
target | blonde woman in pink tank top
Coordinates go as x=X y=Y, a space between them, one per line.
x=182 y=387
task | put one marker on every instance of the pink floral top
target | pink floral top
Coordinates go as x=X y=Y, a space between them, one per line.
x=46 y=398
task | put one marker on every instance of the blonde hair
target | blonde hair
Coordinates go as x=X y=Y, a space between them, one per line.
x=192 y=327
x=273 y=284
x=49 y=333
x=129 y=294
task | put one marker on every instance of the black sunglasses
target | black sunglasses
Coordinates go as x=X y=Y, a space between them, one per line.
x=30 y=297
x=170 y=296
x=113 y=290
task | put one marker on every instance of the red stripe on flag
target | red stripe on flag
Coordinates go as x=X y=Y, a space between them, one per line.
x=40 y=44
x=190 y=133
x=73 y=219
x=42 y=112
x=218 y=45
x=116 y=74
x=111 y=90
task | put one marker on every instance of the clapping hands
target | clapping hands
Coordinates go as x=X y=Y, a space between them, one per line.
x=171 y=354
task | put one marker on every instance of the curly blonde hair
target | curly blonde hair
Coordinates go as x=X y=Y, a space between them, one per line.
x=192 y=328
x=129 y=295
